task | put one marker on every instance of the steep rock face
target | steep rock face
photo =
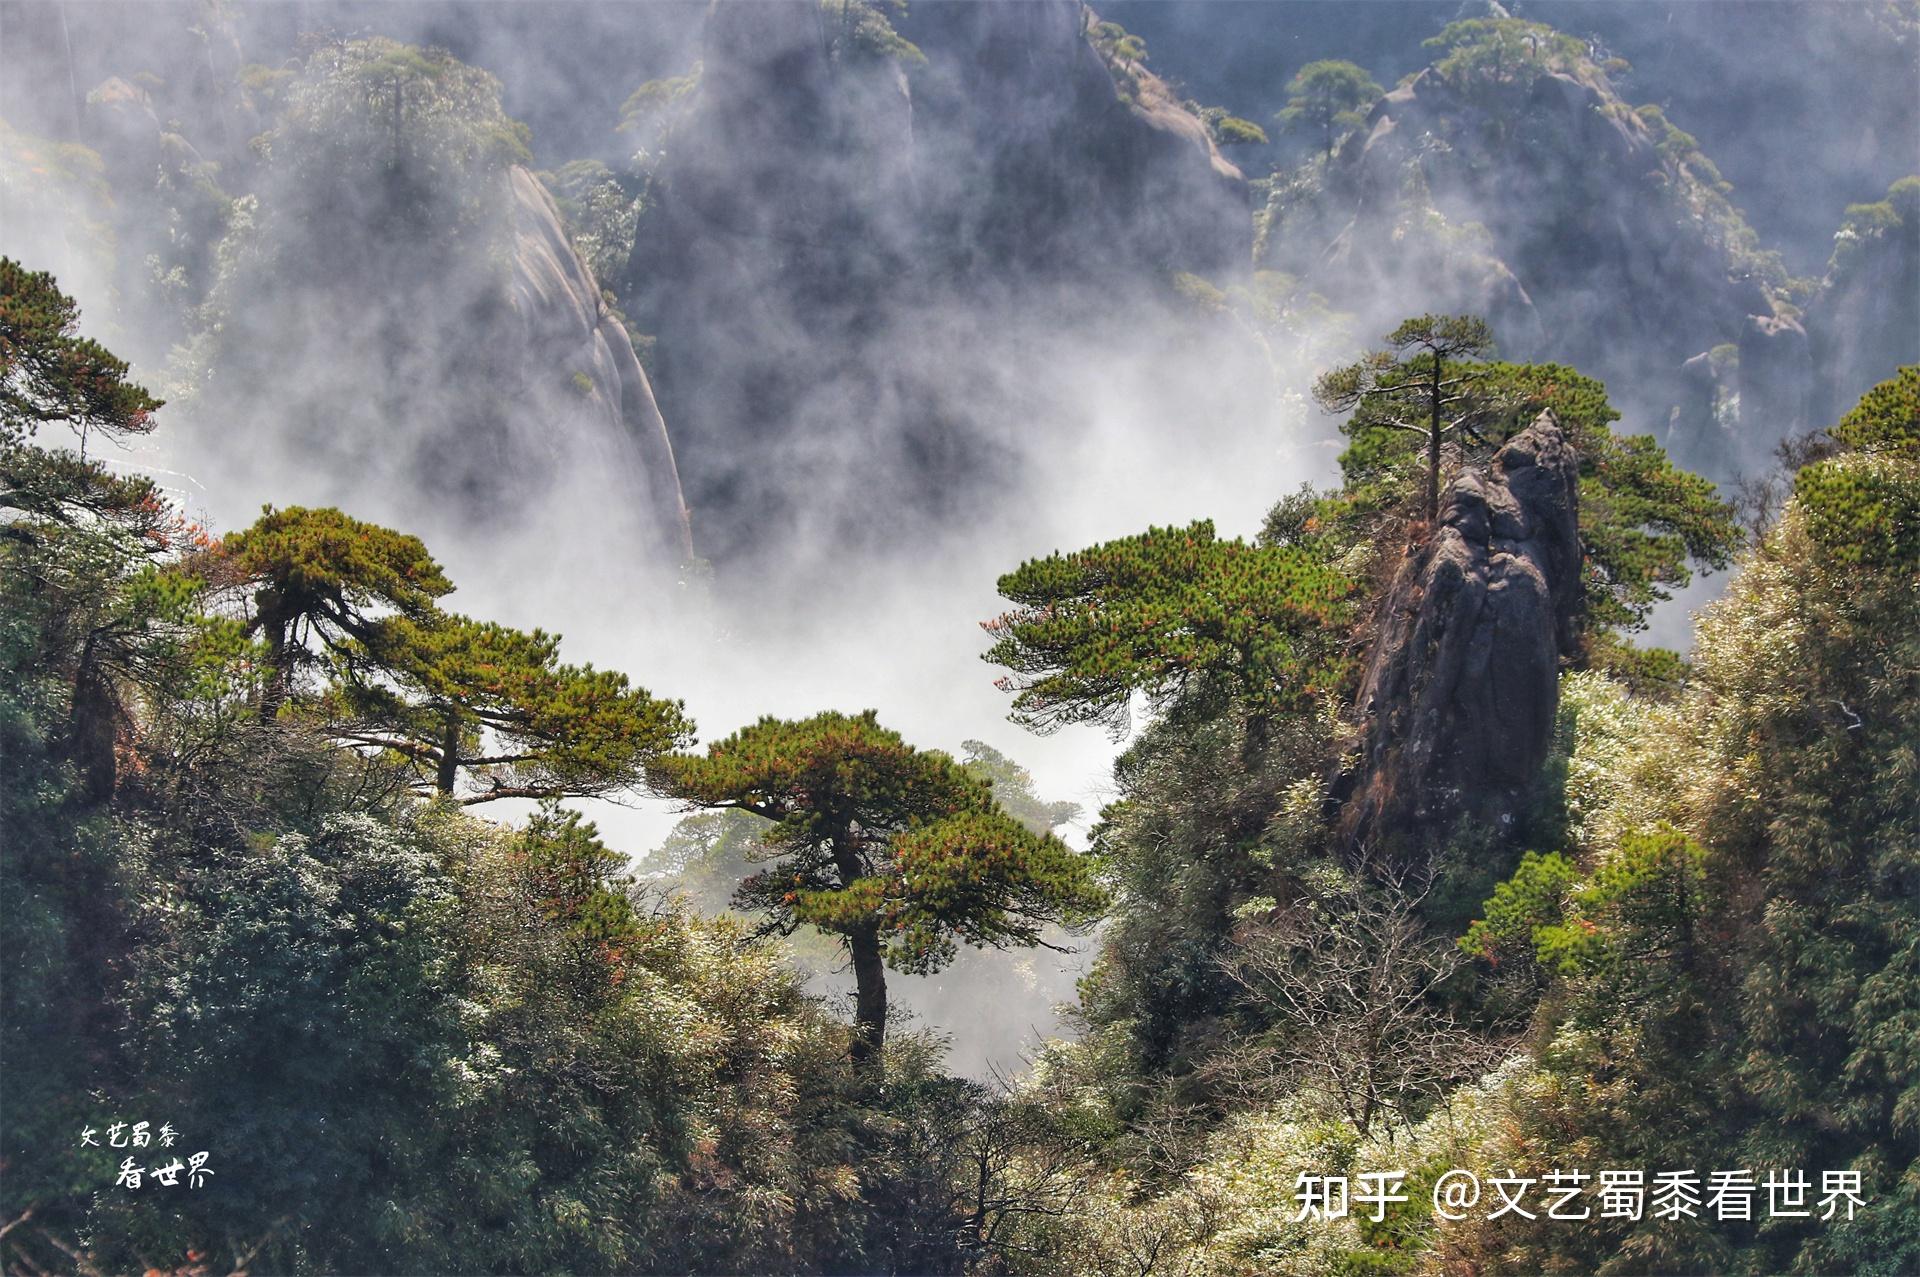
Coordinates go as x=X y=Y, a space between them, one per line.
x=1585 y=231
x=1776 y=383
x=824 y=207
x=446 y=363
x=1043 y=152
x=1786 y=375
x=1865 y=321
x=567 y=331
x=1458 y=699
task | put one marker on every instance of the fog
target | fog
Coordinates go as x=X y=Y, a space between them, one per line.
x=1065 y=413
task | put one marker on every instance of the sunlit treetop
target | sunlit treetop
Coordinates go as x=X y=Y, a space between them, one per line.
x=1165 y=613
x=331 y=570
x=872 y=835
x=50 y=375
x=1863 y=505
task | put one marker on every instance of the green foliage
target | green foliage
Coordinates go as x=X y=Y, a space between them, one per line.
x=652 y=111
x=901 y=853
x=1489 y=53
x=1415 y=386
x=422 y=92
x=1867 y=226
x=417 y=125
x=1169 y=613
x=1230 y=130
x=1643 y=521
x=450 y=694
x=601 y=216
x=1116 y=43
x=1523 y=910
x=1861 y=506
x=50 y=375
x=1326 y=96
x=1013 y=788
x=441 y=693
x=411 y=1041
x=1735 y=966
x=1886 y=421
x=330 y=571
x=861 y=30
x=320 y=575
x=1682 y=149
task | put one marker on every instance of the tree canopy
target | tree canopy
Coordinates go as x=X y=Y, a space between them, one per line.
x=1326 y=96
x=1165 y=613
x=901 y=853
x=51 y=375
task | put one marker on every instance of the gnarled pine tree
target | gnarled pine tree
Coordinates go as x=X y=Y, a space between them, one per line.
x=899 y=852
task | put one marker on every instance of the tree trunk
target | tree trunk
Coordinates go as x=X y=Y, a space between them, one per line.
x=280 y=662
x=870 y=1001
x=449 y=755
x=92 y=726
x=1433 y=448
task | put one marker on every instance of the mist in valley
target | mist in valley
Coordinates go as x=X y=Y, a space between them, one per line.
x=933 y=409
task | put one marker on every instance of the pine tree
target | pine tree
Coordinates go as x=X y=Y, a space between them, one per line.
x=1418 y=385
x=453 y=695
x=322 y=576
x=1326 y=95
x=900 y=853
x=49 y=375
x=1644 y=523
x=1169 y=612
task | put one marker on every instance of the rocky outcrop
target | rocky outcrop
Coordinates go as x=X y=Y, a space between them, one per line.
x=1865 y=321
x=1457 y=703
x=1045 y=153
x=1585 y=231
x=577 y=359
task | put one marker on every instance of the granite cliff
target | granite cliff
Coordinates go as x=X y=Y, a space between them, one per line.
x=1456 y=706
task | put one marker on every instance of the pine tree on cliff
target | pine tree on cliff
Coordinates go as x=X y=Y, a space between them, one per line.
x=900 y=853
x=1326 y=95
x=1417 y=385
x=1645 y=524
